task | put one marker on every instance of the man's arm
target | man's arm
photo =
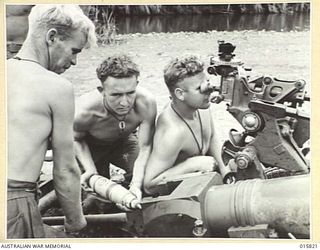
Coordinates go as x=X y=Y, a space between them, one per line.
x=82 y=151
x=166 y=148
x=164 y=154
x=66 y=174
x=83 y=155
x=145 y=137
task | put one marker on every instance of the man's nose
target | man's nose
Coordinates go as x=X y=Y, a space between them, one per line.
x=206 y=87
x=124 y=100
x=74 y=60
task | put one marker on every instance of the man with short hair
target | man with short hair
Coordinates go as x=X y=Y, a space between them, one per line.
x=41 y=108
x=107 y=120
x=183 y=140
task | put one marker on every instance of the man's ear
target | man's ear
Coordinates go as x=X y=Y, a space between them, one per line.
x=179 y=94
x=51 y=36
x=100 y=89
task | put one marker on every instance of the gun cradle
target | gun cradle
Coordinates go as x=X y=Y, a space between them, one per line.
x=277 y=130
x=270 y=112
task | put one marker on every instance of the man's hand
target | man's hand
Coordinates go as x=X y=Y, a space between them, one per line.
x=204 y=163
x=75 y=225
x=129 y=207
x=136 y=191
x=85 y=179
x=124 y=208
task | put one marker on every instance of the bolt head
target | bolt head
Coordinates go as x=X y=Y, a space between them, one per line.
x=198 y=223
x=250 y=121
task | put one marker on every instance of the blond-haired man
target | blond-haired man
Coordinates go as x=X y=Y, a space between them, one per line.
x=40 y=108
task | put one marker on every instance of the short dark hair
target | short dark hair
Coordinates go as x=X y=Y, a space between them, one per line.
x=119 y=66
x=181 y=68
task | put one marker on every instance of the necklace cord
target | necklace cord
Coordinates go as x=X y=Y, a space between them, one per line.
x=122 y=123
x=190 y=129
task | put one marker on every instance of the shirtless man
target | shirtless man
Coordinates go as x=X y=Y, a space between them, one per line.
x=40 y=107
x=107 y=119
x=183 y=141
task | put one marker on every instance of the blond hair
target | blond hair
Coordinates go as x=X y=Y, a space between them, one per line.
x=180 y=68
x=64 y=18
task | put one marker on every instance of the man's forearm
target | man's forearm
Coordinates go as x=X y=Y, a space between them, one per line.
x=83 y=155
x=184 y=167
x=67 y=187
x=139 y=166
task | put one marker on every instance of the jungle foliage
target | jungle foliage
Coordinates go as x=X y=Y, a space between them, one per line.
x=104 y=16
x=125 y=10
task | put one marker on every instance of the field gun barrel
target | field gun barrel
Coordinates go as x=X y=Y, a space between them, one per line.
x=282 y=203
x=202 y=206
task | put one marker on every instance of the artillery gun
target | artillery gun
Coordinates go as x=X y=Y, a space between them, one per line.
x=270 y=193
x=270 y=110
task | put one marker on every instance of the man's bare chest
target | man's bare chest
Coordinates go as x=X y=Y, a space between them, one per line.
x=196 y=140
x=108 y=128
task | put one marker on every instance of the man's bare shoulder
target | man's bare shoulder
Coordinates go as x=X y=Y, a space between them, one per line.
x=145 y=102
x=30 y=77
x=145 y=97
x=57 y=82
x=168 y=124
x=88 y=108
x=36 y=74
x=91 y=100
x=49 y=80
x=59 y=91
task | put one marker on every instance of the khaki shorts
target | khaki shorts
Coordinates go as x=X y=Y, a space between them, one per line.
x=23 y=216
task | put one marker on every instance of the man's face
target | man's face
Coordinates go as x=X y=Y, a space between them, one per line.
x=120 y=94
x=63 y=53
x=194 y=91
